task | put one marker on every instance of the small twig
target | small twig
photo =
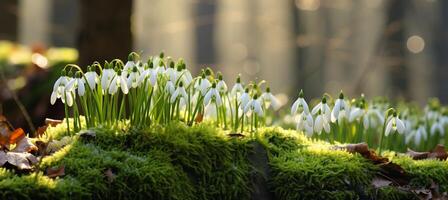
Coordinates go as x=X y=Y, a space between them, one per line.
x=18 y=102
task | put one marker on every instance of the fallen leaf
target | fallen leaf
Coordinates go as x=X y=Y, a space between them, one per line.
x=388 y=170
x=438 y=152
x=54 y=172
x=417 y=155
x=379 y=182
x=110 y=175
x=424 y=194
x=25 y=145
x=52 y=122
x=41 y=147
x=3 y=159
x=87 y=134
x=16 y=136
x=23 y=161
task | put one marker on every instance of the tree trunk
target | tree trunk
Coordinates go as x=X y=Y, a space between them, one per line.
x=105 y=30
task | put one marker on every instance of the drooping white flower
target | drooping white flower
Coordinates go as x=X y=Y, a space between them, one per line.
x=270 y=99
x=128 y=67
x=179 y=93
x=394 y=124
x=203 y=85
x=106 y=77
x=355 y=114
x=437 y=127
x=169 y=87
x=171 y=72
x=339 y=110
x=420 y=134
x=77 y=83
x=221 y=85
x=237 y=89
x=321 y=122
x=62 y=80
x=132 y=79
x=59 y=89
x=119 y=81
x=299 y=105
x=92 y=79
x=213 y=94
x=244 y=98
x=373 y=118
x=254 y=105
x=305 y=123
x=186 y=75
x=323 y=108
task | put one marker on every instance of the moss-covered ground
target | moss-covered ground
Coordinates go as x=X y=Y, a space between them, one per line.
x=202 y=162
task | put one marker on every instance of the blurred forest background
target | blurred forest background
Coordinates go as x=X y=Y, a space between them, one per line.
x=393 y=48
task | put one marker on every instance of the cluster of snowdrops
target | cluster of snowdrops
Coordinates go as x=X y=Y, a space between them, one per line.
x=161 y=90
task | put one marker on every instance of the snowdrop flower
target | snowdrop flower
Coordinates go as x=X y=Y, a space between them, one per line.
x=106 y=77
x=339 y=109
x=203 y=84
x=59 y=90
x=119 y=81
x=269 y=98
x=186 y=75
x=222 y=86
x=299 y=105
x=254 y=105
x=321 y=122
x=169 y=87
x=92 y=78
x=62 y=80
x=373 y=118
x=76 y=83
x=244 y=98
x=212 y=94
x=179 y=93
x=417 y=135
x=305 y=123
x=132 y=80
x=355 y=113
x=437 y=127
x=160 y=69
x=128 y=68
x=171 y=72
x=323 y=108
x=237 y=88
x=394 y=124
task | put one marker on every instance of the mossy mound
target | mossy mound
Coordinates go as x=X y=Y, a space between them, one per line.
x=202 y=162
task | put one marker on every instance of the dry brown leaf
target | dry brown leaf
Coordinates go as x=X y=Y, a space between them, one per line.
x=110 y=175
x=52 y=122
x=41 y=147
x=388 y=170
x=438 y=152
x=417 y=155
x=54 y=172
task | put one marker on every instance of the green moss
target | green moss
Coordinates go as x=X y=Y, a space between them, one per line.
x=424 y=172
x=202 y=162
